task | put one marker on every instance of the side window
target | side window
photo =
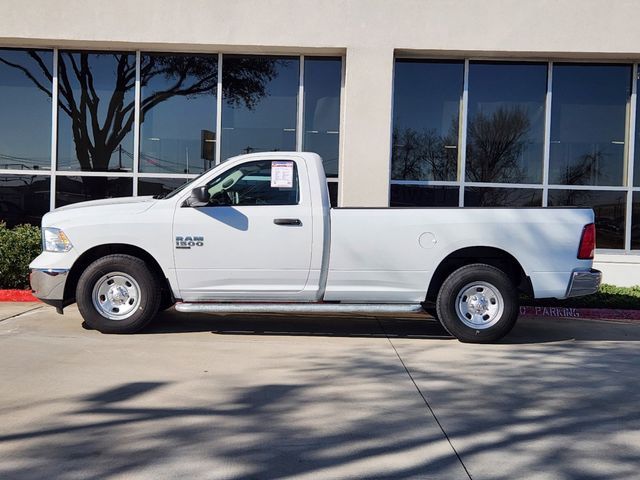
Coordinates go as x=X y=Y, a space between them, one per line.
x=264 y=182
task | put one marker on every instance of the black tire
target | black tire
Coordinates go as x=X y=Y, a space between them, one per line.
x=140 y=310
x=464 y=316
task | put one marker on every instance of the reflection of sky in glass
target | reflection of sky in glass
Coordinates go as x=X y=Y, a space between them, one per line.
x=427 y=95
x=322 y=81
x=588 y=117
x=25 y=111
x=170 y=136
x=104 y=70
x=517 y=88
x=425 y=114
x=271 y=123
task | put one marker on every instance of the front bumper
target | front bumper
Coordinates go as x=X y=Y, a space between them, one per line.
x=48 y=284
x=584 y=282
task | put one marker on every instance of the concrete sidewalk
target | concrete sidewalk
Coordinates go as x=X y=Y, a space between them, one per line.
x=300 y=397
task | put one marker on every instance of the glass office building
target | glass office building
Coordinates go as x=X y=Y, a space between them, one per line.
x=519 y=134
x=85 y=125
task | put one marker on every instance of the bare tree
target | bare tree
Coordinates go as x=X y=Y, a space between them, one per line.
x=98 y=130
x=425 y=155
x=495 y=144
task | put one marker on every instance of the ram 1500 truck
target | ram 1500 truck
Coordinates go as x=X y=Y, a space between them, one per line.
x=257 y=234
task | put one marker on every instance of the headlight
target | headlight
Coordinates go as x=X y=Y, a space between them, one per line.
x=54 y=240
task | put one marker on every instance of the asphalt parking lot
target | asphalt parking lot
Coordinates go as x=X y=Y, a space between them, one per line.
x=198 y=396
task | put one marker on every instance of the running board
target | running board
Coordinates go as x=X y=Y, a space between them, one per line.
x=370 y=308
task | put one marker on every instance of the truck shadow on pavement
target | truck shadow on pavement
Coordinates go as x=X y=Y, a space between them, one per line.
x=527 y=330
x=298 y=325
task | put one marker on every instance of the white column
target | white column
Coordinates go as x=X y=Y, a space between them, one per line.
x=136 y=126
x=54 y=130
x=365 y=133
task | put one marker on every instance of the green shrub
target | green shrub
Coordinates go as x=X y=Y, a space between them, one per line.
x=609 y=296
x=18 y=246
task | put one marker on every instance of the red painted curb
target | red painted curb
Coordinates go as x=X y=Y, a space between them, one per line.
x=17 y=296
x=583 y=313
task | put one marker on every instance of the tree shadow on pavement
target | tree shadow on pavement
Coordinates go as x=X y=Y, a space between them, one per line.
x=556 y=410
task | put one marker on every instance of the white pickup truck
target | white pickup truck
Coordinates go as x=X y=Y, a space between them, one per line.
x=257 y=234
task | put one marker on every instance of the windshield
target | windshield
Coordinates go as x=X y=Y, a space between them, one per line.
x=182 y=187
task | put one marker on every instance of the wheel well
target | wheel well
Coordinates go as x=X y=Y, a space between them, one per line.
x=100 y=251
x=489 y=255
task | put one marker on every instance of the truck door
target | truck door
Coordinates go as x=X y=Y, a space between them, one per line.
x=252 y=241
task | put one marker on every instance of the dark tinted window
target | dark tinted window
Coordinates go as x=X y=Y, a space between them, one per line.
x=636 y=168
x=609 y=208
x=425 y=120
x=505 y=126
x=23 y=198
x=423 y=196
x=333 y=193
x=260 y=104
x=95 y=111
x=25 y=109
x=251 y=184
x=159 y=186
x=178 y=113
x=502 y=197
x=80 y=189
x=588 y=118
x=322 y=82
x=635 y=222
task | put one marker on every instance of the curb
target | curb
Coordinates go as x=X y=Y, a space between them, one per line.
x=17 y=296
x=604 y=314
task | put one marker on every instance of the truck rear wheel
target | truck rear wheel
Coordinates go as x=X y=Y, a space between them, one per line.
x=477 y=303
x=118 y=294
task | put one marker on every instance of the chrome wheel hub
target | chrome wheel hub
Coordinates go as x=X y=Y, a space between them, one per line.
x=116 y=296
x=479 y=305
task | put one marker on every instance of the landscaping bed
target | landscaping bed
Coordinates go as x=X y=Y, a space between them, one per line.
x=608 y=297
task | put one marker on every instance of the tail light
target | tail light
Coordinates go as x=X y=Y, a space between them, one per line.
x=587 y=242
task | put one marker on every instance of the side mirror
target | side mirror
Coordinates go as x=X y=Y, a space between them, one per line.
x=199 y=197
x=201 y=194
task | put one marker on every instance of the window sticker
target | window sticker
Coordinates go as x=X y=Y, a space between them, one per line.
x=282 y=174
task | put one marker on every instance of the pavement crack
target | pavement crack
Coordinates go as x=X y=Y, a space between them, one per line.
x=20 y=313
x=424 y=399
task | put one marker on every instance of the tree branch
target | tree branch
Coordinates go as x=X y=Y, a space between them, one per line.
x=28 y=74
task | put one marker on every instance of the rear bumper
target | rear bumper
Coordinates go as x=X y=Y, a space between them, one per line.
x=48 y=284
x=584 y=282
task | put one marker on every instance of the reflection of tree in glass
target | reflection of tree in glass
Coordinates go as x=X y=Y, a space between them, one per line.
x=98 y=133
x=495 y=144
x=585 y=171
x=425 y=155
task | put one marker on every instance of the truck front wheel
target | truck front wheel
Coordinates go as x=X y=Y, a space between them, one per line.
x=118 y=294
x=478 y=303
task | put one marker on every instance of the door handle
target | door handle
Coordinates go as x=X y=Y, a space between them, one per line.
x=288 y=221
